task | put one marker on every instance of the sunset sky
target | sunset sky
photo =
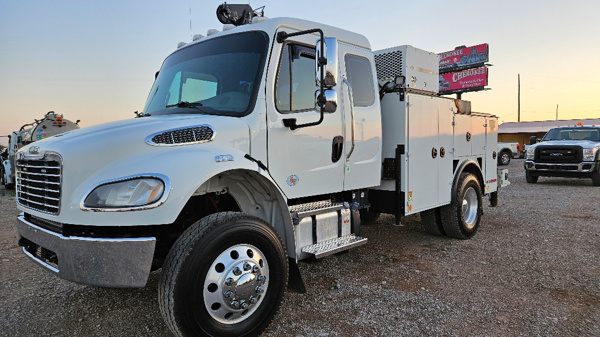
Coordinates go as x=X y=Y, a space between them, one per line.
x=95 y=61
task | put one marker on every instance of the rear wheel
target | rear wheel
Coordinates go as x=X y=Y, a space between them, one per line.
x=225 y=276
x=504 y=158
x=432 y=222
x=530 y=177
x=461 y=218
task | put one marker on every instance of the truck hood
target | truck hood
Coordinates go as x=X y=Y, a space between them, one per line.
x=586 y=144
x=180 y=149
x=122 y=148
x=127 y=135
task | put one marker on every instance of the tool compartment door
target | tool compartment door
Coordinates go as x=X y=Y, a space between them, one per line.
x=429 y=160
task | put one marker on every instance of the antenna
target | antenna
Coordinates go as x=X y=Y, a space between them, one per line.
x=190 y=7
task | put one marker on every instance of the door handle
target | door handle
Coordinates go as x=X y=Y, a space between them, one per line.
x=336 y=148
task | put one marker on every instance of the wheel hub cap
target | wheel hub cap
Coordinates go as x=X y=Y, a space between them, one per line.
x=470 y=205
x=235 y=283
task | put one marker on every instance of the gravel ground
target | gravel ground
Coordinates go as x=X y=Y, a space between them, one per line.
x=532 y=270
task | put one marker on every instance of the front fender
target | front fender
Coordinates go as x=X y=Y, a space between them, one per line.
x=186 y=168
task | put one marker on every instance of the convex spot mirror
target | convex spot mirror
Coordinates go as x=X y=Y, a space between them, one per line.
x=330 y=101
x=331 y=68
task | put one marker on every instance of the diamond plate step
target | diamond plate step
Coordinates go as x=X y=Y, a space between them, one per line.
x=314 y=208
x=333 y=246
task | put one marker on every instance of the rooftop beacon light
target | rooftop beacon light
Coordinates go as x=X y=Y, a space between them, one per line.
x=237 y=14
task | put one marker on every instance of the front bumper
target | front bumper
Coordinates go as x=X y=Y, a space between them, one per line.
x=583 y=167
x=104 y=262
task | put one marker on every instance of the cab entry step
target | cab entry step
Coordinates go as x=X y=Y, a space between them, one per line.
x=333 y=246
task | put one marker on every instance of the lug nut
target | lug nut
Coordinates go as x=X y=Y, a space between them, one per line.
x=237 y=271
x=259 y=290
x=252 y=300
x=235 y=304
x=255 y=269
x=244 y=305
x=229 y=281
x=228 y=294
x=247 y=266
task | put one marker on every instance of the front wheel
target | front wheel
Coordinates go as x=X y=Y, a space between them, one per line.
x=530 y=178
x=462 y=216
x=596 y=177
x=225 y=276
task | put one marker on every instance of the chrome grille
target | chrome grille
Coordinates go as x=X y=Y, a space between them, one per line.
x=188 y=135
x=39 y=184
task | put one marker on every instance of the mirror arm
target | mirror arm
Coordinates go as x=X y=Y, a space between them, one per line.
x=291 y=122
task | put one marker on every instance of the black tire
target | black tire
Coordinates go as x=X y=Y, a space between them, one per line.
x=530 y=177
x=596 y=177
x=504 y=158
x=196 y=294
x=432 y=222
x=368 y=217
x=461 y=218
x=494 y=199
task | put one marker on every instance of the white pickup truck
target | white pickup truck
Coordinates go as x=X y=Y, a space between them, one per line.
x=507 y=151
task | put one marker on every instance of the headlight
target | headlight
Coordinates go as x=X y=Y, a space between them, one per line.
x=589 y=154
x=135 y=192
x=530 y=153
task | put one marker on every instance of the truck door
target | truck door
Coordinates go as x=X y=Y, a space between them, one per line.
x=361 y=118
x=306 y=161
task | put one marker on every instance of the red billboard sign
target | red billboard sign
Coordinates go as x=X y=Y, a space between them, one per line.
x=464 y=80
x=465 y=57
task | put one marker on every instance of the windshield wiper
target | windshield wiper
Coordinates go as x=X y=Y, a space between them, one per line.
x=185 y=104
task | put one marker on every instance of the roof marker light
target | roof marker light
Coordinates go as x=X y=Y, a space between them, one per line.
x=211 y=32
x=180 y=44
x=197 y=37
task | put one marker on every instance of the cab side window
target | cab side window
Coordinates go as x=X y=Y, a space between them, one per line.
x=296 y=86
x=360 y=76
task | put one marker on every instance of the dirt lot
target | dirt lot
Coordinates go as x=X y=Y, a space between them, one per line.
x=533 y=269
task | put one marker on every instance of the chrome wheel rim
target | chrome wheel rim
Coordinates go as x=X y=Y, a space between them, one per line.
x=236 y=283
x=470 y=204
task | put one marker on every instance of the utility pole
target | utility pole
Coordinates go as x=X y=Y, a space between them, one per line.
x=519 y=100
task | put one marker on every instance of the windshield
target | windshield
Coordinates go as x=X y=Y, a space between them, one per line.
x=220 y=76
x=579 y=133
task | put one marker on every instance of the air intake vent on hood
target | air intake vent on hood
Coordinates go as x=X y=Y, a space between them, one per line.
x=187 y=135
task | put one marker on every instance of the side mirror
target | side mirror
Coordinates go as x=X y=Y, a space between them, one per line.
x=532 y=140
x=330 y=101
x=331 y=62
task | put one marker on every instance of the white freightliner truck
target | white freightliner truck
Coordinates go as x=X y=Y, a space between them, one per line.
x=240 y=165
x=50 y=125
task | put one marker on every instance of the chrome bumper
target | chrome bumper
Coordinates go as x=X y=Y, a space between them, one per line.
x=560 y=167
x=115 y=263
